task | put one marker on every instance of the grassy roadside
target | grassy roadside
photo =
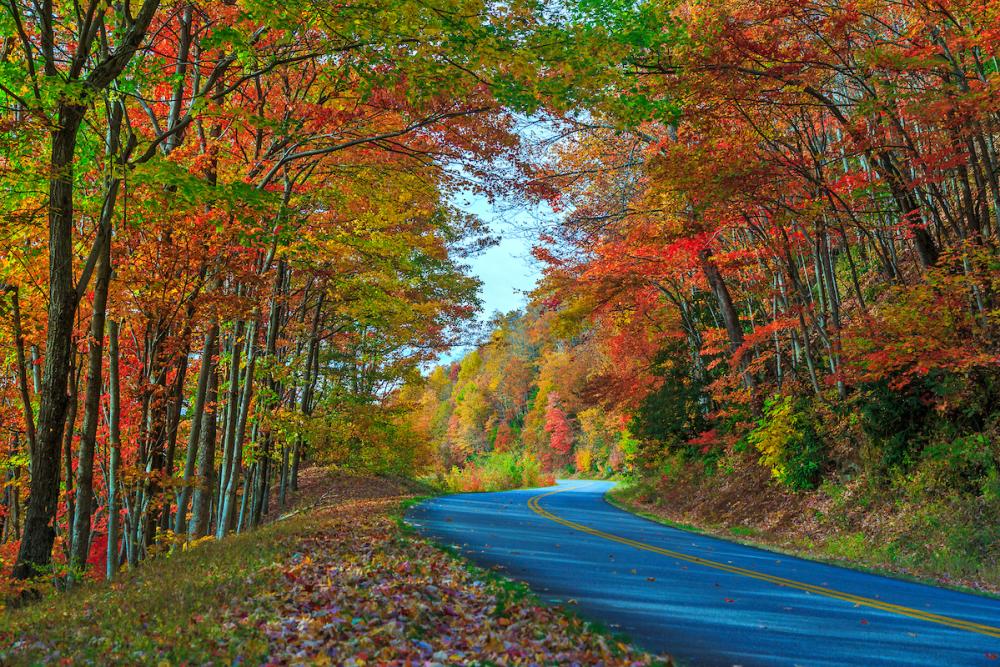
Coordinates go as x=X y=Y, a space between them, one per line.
x=629 y=498
x=339 y=582
x=185 y=608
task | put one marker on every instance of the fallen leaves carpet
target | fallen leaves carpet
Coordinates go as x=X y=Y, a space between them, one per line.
x=335 y=582
x=360 y=592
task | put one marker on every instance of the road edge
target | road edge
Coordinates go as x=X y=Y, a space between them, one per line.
x=517 y=588
x=612 y=498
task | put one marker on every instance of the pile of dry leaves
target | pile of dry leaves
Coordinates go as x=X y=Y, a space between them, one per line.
x=362 y=593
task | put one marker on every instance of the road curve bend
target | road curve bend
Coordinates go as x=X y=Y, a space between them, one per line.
x=704 y=600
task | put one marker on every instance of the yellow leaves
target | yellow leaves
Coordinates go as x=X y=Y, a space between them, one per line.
x=771 y=437
x=201 y=540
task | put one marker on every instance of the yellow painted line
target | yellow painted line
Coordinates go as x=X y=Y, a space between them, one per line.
x=859 y=600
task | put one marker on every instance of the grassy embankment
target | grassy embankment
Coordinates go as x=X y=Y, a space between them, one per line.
x=339 y=581
x=903 y=529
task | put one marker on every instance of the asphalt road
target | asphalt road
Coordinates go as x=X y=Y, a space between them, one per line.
x=704 y=600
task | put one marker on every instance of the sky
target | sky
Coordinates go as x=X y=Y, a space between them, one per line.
x=507 y=270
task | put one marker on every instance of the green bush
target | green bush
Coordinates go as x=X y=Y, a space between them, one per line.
x=497 y=471
x=788 y=444
x=675 y=412
x=966 y=464
x=894 y=422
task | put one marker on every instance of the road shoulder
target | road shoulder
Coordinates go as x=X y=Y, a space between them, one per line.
x=621 y=498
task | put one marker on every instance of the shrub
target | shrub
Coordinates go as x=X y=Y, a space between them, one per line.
x=675 y=412
x=497 y=471
x=894 y=421
x=788 y=444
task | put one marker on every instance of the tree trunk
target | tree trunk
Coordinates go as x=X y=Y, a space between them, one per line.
x=206 y=372
x=91 y=413
x=114 y=444
x=22 y=372
x=232 y=413
x=730 y=318
x=240 y=426
x=39 y=531
x=201 y=505
x=67 y=447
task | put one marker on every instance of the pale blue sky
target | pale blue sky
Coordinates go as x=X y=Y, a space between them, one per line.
x=507 y=270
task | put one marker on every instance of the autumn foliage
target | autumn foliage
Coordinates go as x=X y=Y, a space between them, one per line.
x=228 y=236
x=777 y=252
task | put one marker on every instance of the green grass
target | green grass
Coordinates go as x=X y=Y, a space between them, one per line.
x=621 y=497
x=146 y=616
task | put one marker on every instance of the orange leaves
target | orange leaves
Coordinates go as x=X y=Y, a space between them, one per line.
x=362 y=595
x=927 y=327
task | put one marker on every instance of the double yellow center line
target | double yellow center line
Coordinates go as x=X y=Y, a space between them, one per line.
x=858 y=600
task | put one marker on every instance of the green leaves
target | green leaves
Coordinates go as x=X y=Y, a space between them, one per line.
x=192 y=190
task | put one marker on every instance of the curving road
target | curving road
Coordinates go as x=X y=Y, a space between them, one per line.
x=704 y=600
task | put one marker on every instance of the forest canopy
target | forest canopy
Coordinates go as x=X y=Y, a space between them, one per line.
x=230 y=245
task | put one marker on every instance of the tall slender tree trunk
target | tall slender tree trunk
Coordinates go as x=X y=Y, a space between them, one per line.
x=114 y=444
x=232 y=414
x=201 y=505
x=22 y=371
x=240 y=426
x=74 y=405
x=312 y=374
x=194 y=439
x=91 y=413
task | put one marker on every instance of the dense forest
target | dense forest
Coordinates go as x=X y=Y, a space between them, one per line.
x=773 y=301
x=227 y=238
x=230 y=246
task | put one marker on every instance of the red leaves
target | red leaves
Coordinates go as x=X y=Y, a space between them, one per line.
x=920 y=329
x=705 y=440
x=505 y=437
x=558 y=427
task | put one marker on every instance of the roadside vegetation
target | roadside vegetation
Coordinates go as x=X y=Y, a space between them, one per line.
x=496 y=471
x=338 y=582
x=232 y=239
